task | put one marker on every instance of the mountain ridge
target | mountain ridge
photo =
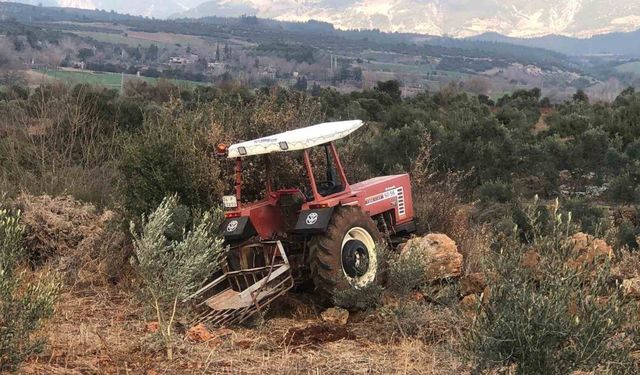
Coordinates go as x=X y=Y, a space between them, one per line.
x=618 y=43
x=456 y=18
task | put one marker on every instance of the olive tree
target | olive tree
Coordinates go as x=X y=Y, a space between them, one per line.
x=173 y=268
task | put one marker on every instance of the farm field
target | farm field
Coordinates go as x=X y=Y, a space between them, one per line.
x=111 y=80
x=631 y=67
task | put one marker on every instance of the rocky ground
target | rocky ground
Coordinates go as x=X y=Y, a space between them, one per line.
x=102 y=327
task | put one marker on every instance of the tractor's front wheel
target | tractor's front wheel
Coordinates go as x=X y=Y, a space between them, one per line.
x=345 y=256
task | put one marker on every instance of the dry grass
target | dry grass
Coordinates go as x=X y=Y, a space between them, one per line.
x=75 y=239
x=103 y=332
x=440 y=208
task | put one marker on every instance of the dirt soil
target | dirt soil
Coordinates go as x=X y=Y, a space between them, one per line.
x=314 y=336
x=103 y=331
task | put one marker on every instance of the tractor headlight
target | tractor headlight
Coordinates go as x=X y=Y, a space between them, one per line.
x=229 y=201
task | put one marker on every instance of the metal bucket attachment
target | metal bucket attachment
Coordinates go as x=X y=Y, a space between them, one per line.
x=238 y=294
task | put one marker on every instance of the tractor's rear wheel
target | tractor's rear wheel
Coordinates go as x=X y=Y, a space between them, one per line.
x=345 y=256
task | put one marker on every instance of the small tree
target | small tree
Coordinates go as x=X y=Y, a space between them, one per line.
x=174 y=269
x=24 y=304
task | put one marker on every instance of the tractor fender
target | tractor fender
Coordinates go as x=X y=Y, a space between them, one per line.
x=314 y=221
x=238 y=228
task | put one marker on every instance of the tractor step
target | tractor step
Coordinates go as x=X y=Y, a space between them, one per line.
x=243 y=293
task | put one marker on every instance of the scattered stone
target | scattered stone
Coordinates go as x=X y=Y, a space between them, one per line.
x=631 y=288
x=152 y=327
x=589 y=249
x=417 y=296
x=473 y=283
x=469 y=305
x=440 y=254
x=531 y=261
x=486 y=295
x=199 y=333
x=335 y=315
x=244 y=344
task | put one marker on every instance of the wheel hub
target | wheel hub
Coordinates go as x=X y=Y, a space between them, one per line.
x=355 y=258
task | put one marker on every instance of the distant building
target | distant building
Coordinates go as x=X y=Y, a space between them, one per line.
x=178 y=60
x=78 y=64
x=269 y=72
x=183 y=60
x=217 y=68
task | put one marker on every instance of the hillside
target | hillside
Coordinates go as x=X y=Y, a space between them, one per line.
x=259 y=51
x=623 y=44
x=526 y=216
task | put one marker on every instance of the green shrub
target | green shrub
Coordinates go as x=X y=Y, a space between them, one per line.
x=623 y=189
x=25 y=303
x=169 y=156
x=495 y=191
x=627 y=236
x=589 y=216
x=553 y=319
x=174 y=269
x=366 y=298
x=406 y=272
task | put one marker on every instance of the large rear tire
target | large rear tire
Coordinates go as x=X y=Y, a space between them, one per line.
x=345 y=256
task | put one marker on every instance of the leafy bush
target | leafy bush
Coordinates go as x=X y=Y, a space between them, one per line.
x=437 y=200
x=169 y=156
x=174 y=269
x=495 y=191
x=553 y=318
x=61 y=141
x=627 y=236
x=25 y=303
x=589 y=216
x=624 y=189
x=366 y=298
x=406 y=272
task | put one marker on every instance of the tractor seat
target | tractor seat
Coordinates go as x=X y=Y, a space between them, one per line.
x=290 y=205
x=326 y=188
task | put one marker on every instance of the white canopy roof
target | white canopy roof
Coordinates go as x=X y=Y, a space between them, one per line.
x=295 y=140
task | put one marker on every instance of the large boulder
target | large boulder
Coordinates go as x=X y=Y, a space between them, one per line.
x=439 y=254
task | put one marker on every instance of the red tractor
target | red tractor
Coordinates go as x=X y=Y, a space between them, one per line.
x=327 y=233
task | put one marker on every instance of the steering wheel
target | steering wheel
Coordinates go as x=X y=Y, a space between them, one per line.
x=326 y=187
x=307 y=192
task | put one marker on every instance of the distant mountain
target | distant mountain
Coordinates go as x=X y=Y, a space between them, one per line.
x=458 y=18
x=150 y=8
x=626 y=44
